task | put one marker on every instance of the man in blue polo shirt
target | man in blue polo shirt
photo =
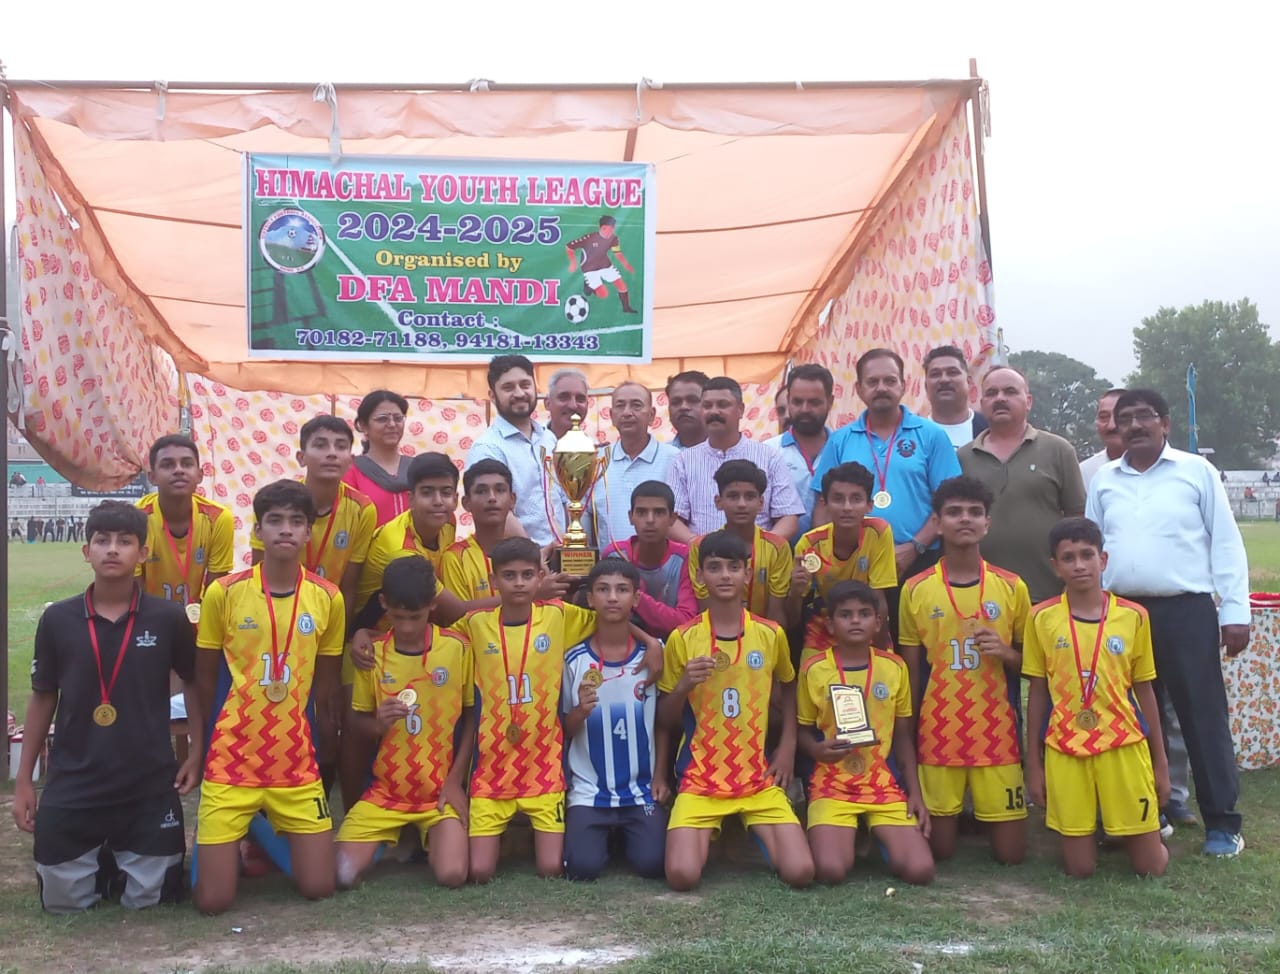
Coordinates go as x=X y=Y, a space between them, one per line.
x=909 y=456
x=808 y=398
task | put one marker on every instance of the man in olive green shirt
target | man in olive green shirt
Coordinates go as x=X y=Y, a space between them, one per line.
x=1034 y=475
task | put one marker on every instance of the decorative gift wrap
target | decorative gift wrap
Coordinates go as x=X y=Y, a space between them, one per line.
x=1253 y=688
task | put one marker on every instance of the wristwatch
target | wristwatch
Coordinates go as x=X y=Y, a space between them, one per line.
x=920 y=548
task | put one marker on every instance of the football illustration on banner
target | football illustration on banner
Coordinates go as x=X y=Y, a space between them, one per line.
x=576 y=308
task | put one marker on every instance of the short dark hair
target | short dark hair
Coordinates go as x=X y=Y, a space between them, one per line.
x=613 y=566
x=173 y=439
x=849 y=473
x=740 y=472
x=852 y=590
x=812 y=372
x=654 y=488
x=116 y=516
x=431 y=466
x=287 y=495
x=945 y=351
x=608 y=221
x=364 y=412
x=482 y=467
x=723 y=544
x=499 y=365
x=700 y=379
x=409 y=583
x=724 y=383
x=1142 y=397
x=962 y=489
x=872 y=354
x=333 y=424
x=1074 y=529
x=511 y=550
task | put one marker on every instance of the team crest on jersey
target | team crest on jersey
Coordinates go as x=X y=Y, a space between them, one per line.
x=542 y=643
x=439 y=676
x=1115 y=645
x=880 y=690
x=341 y=539
x=1062 y=643
x=248 y=623
x=863 y=564
x=146 y=640
x=200 y=555
x=990 y=610
x=306 y=624
x=906 y=448
x=755 y=659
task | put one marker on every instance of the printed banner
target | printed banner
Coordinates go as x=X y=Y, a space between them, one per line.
x=445 y=259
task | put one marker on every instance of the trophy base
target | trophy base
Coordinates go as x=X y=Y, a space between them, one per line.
x=858 y=738
x=576 y=561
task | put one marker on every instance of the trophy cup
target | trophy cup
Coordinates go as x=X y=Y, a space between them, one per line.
x=849 y=708
x=575 y=465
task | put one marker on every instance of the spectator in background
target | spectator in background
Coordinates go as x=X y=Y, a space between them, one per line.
x=808 y=401
x=780 y=407
x=946 y=384
x=38 y=491
x=684 y=408
x=33 y=528
x=1248 y=494
x=1264 y=478
x=567 y=396
x=1112 y=443
x=379 y=473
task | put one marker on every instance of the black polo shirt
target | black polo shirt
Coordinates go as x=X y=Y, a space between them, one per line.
x=133 y=758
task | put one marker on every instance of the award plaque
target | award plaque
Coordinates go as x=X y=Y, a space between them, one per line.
x=575 y=464
x=849 y=708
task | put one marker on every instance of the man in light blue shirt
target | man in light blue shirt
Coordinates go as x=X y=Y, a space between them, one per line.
x=684 y=408
x=1171 y=543
x=808 y=401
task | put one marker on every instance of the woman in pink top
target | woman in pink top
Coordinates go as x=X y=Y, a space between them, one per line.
x=380 y=471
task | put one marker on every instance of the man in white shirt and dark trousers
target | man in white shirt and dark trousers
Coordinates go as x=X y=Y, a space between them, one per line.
x=1171 y=543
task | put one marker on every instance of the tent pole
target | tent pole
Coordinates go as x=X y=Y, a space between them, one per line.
x=6 y=335
x=980 y=123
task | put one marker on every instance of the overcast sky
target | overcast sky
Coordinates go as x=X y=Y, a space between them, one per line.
x=1132 y=163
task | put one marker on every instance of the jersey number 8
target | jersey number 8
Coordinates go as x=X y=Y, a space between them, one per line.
x=729 y=705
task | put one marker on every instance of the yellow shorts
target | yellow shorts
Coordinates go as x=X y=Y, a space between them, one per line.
x=489 y=816
x=367 y=822
x=997 y=791
x=769 y=806
x=847 y=815
x=226 y=810
x=1121 y=781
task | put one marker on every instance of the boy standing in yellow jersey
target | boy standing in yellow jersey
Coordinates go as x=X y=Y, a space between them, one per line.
x=465 y=570
x=961 y=627
x=411 y=702
x=279 y=628
x=190 y=539
x=851 y=783
x=851 y=546
x=1089 y=658
x=741 y=485
x=721 y=669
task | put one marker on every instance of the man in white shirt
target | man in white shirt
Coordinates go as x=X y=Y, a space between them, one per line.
x=1171 y=543
x=1112 y=442
x=946 y=384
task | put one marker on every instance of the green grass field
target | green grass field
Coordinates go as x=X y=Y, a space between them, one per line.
x=1205 y=915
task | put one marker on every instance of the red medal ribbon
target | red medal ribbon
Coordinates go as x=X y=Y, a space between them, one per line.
x=524 y=655
x=389 y=640
x=882 y=475
x=103 y=685
x=978 y=616
x=600 y=664
x=312 y=564
x=184 y=565
x=839 y=667
x=277 y=657
x=808 y=460
x=716 y=639
x=1088 y=687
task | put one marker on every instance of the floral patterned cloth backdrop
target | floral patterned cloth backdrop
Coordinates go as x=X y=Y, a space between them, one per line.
x=1253 y=689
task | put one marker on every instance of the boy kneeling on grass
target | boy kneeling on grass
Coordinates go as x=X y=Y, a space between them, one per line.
x=410 y=703
x=853 y=783
x=1088 y=656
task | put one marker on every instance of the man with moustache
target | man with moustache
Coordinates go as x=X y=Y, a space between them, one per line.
x=809 y=396
x=567 y=396
x=1171 y=544
x=946 y=384
x=693 y=471
x=634 y=458
x=517 y=439
x=1034 y=476
x=684 y=408
x=1112 y=443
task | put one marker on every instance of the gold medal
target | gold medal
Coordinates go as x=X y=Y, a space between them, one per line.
x=408 y=696
x=971 y=627
x=881 y=500
x=277 y=691
x=1087 y=719
x=104 y=715
x=514 y=733
x=811 y=562
x=719 y=661
x=855 y=763
x=193 y=613
x=592 y=678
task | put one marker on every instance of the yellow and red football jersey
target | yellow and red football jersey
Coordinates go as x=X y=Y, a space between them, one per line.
x=864 y=776
x=257 y=742
x=967 y=718
x=726 y=717
x=176 y=568
x=398 y=539
x=415 y=755
x=770 y=570
x=465 y=570
x=339 y=538
x=871 y=560
x=1124 y=658
x=517 y=670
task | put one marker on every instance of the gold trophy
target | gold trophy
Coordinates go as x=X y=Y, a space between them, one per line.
x=849 y=708
x=575 y=464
